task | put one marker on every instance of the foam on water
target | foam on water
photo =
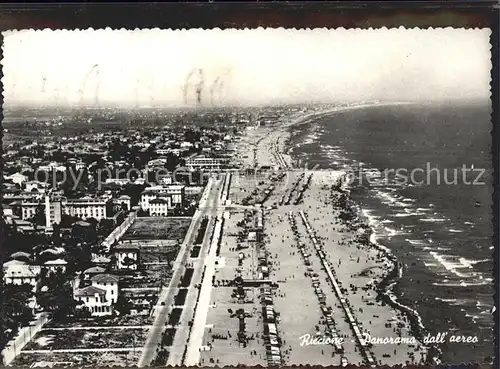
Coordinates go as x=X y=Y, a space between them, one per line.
x=455 y=263
x=460 y=284
x=401 y=215
x=416 y=242
x=433 y=220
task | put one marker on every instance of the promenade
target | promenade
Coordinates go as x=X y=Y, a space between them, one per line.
x=166 y=299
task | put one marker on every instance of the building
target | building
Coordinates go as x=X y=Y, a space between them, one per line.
x=88 y=207
x=174 y=194
x=7 y=210
x=37 y=186
x=100 y=260
x=94 y=299
x=108 y=283
x=124 y=200
x=19 y=272
x=17 y=178
x=159 y=207
x=77 y=164
x=127 y=257
x=52 y=167
x=93 y=271
x=20 y=255
x=52 y=207
x=197 y=162
x=53 y=266
x=117 y=181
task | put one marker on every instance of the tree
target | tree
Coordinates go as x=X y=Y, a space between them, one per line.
x=123 y=305
x=39 y=217
x=85 y=232
x=56 y=235
x=57 y=296
x=172 y=162
x=15 y=312
x=78 y=256
x=105 y=227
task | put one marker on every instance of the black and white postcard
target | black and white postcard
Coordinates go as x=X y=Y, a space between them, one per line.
x=259 y=197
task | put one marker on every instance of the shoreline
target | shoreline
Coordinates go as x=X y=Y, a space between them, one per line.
x=385 y=288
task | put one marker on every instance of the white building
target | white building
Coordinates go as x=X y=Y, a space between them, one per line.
x=174 y=192
x=124 y=200
x=203 y=162
x=89 y=273
x=7 y=210
x=88 y=207
x=94 y=299
x=53 y=266
x=52 y=207
x=37 y=186
x=17 y=178
x=18 y=272
x=52 y=166
x=118 y=181
x=159 y=207
x=108 y=283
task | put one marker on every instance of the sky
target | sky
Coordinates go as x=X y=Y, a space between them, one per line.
x=243 y=67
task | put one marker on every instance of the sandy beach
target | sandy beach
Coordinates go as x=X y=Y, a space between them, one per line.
x=358 y=268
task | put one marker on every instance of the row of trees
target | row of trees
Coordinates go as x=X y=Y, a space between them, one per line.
x=15 y=312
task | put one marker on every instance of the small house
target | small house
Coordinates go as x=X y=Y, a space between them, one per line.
x=108 y=283
x=94 y=299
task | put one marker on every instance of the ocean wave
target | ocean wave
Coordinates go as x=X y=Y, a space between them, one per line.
x=401 y=215
x=438 y=248
x=451 y=266
x=468 y=263
x=460 y=284
x=455 y=301
x=433 y=220
x=416 y=242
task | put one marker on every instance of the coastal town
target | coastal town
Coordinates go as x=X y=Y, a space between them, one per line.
x=187 y=239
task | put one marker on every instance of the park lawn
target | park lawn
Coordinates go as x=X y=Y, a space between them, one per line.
x=158 y=228
x=92 y=338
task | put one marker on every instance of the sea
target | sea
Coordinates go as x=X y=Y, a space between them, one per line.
x=435 y=221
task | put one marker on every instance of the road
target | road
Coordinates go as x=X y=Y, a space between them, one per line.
x=208 y=202
x=212 y=208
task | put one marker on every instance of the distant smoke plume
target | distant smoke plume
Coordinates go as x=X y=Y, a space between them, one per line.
x=81 y=90
x=97 y=86
x=217 y=87
x=186 y=85
x=199 y=86
x=213 y=88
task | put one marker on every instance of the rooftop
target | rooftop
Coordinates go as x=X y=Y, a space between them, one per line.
x=94 y=270
x=56 y=262
x=90 y=291
x=105 y=278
